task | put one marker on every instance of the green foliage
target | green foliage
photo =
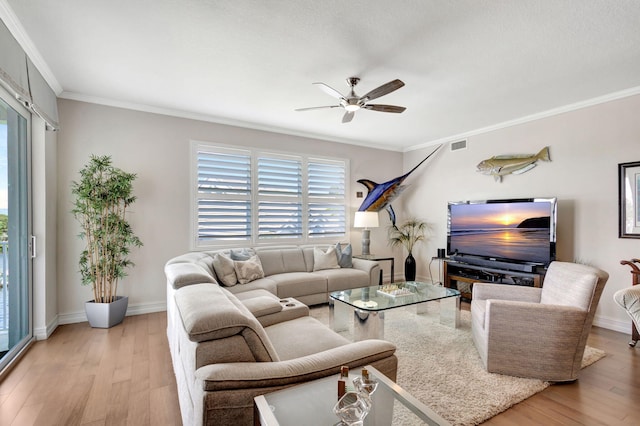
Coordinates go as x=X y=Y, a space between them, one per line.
x=102 y=195
x=4 y=227
x=407 y=234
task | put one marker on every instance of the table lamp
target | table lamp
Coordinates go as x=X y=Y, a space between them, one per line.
x=366 y=220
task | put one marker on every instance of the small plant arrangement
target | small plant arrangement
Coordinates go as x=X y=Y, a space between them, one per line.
x=102 y=195
x=407 y=234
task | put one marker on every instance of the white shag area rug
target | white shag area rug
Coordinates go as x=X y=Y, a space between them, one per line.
x=440 y=366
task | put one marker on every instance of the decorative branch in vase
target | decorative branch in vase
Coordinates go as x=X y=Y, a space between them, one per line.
x=408 y=234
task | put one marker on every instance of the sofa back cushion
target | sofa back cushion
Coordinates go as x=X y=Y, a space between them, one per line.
x=282 y=260
x=209 y=312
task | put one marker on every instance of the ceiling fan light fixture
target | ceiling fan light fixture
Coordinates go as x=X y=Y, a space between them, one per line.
x=352 y=107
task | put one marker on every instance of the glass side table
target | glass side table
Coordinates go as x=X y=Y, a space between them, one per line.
x=312 y=404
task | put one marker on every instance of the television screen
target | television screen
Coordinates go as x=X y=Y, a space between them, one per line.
x=521 y=230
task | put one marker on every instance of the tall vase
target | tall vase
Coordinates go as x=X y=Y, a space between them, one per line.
x=410 y=268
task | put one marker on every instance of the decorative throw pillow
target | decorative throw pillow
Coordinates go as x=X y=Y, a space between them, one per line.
x=226 y=273
x=248 y=270
x=241 y=254
x=344 y=256
x=325 y=260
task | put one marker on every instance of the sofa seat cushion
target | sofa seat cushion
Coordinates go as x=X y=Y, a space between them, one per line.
x=285 y=338
x=293 y=284
x=344 y=278
x=266 y=284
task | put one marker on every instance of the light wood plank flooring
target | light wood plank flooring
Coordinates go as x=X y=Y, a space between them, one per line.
x=86 y=376
x=123 y=376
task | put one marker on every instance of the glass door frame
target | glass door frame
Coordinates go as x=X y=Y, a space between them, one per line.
x=15 y=352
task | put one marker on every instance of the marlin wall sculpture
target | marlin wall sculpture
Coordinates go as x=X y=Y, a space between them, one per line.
x=380 y=195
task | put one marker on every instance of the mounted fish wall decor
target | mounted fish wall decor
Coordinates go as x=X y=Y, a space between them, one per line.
x=380 y=195
x=501 y=165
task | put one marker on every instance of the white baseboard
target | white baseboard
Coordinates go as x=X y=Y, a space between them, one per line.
x=80 y=316
x=43 y=333
x=613 y=324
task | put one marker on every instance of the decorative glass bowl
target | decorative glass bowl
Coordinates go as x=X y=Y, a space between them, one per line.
x=352 y=408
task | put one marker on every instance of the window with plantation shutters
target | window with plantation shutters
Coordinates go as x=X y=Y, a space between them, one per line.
x=251 y=197
x=223 y=196
x=327 y=215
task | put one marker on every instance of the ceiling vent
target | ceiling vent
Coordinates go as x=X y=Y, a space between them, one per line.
x=455 y=146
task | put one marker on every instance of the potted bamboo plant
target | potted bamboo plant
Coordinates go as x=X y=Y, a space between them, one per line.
x=102 y=195
x=408 y=234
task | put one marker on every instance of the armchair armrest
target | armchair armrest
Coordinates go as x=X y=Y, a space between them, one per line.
x=245 y=375
x=371 y=267
x=540 y=324
x=485 y=291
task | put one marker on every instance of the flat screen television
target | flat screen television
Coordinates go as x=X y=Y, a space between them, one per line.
x=513 y=231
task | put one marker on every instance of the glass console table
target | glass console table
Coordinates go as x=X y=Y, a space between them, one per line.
x=367 y=306
x=312 y=404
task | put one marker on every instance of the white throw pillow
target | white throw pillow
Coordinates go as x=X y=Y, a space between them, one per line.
x=325 y=260
x=225 y=271
x=248 y=270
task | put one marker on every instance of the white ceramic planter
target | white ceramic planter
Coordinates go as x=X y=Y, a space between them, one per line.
x=106 y=315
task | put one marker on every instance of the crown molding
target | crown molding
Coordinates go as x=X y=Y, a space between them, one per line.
x=17 y=30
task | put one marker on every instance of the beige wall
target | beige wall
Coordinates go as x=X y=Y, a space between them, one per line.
x=586 y=146
x=156 y=147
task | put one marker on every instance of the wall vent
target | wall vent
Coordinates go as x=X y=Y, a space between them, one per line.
x=458 y=145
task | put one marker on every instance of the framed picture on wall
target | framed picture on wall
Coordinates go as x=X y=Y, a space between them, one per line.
x=629 y=193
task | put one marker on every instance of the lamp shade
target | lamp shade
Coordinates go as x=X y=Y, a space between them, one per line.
x=366 y=220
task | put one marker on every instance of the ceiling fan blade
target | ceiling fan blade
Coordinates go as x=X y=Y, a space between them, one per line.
x=318 y=107
x=384 y=108
x=330 y=91
x=348 y=116
x=383 y=90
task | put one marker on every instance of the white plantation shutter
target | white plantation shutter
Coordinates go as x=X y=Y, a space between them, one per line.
x=279 y=197
x=245 y=197
x=224 y=196
x=327 y=212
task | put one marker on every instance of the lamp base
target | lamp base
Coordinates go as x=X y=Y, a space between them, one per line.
x=366 y=233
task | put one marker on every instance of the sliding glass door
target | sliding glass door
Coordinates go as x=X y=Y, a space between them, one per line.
x=15 y=257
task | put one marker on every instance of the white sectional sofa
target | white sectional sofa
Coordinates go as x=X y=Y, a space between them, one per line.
x=231 y=343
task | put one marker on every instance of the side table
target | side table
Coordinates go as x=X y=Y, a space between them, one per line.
x=378 y=259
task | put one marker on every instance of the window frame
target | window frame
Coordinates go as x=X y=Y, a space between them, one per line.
x=254 y=240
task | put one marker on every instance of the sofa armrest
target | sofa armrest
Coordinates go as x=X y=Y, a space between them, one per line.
x=485 y=291
x=371 y=267
x=239 y=375
x=183 y=274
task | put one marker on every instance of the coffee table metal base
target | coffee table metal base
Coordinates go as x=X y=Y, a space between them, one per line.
x=370 y=324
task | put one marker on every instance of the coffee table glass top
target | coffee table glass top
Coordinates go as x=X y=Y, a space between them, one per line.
x=388 y=296
x=312 y=404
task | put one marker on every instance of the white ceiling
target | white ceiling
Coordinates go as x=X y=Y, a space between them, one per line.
x=468 y=65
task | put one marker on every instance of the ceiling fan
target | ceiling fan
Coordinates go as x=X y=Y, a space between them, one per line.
x=352 y=102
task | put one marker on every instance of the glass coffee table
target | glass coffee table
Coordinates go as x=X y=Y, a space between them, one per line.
x=367 y=306
x=312 y=404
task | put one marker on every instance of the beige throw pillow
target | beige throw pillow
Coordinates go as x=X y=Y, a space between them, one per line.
x=248 y=270
x=325 y=260
x=225 y=271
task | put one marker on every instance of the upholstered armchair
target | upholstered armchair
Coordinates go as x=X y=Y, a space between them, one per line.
x=537 y=332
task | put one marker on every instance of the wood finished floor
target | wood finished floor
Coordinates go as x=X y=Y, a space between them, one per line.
x=123 y=376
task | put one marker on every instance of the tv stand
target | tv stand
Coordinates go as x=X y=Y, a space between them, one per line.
x=461 y=276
